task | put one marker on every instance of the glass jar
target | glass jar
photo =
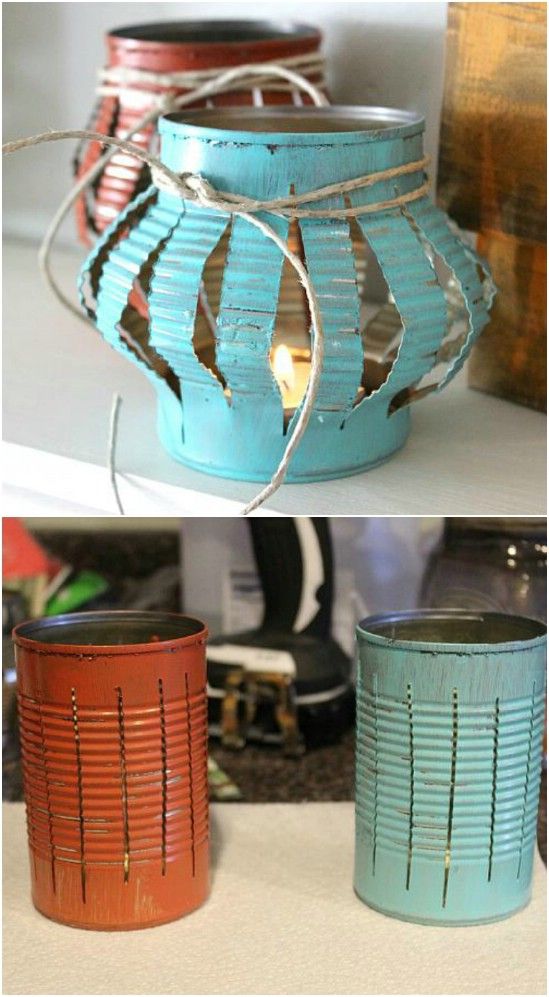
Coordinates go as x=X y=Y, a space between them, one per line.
x=489 y=564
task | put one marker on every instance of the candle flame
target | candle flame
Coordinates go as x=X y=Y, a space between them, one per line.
x=283 y=367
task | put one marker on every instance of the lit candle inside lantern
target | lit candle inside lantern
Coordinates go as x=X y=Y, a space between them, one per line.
x=291 y=370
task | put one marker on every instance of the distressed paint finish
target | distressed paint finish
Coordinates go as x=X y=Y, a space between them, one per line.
x=447 y=775
x=247 y=311
x=174 y=291
x=463 y=263
x=240 y=432
x=114 y=745
x=331 y=264
x=170 y=48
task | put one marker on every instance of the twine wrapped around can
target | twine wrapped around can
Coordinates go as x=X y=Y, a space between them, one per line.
x=229 y=392
x=149 y=63
x=113 y=726
x=450 y=710
x=232 y=419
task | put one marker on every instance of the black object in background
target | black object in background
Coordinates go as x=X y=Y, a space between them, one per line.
x=295 y=567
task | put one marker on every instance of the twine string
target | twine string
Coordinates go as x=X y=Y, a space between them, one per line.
x=193 y=187
x=114 y=79
x=111 y=449
x=240 y=77
x=292 y=71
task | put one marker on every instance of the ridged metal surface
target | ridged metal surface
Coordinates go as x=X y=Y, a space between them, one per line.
x=115 y=776
x=175 y=288
x=114 y=794
x=123 y=176
x=464 y=264
x=447 y=779
x=418 y=298
x=231 y=420
x=331 y=262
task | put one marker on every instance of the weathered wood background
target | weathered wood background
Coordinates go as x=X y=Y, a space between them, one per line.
x=492 y=180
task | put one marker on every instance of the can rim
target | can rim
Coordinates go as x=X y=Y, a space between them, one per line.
x=372 y=124
x=535 y=631
x=24 y=634
x=213 y=31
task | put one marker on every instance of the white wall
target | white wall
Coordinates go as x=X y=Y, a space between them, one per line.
x=378 y=53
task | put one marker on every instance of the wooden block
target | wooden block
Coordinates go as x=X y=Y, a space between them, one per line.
x=492 y=167
x=510 y=357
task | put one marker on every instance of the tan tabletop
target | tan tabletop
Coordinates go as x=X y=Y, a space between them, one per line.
x=282 y=919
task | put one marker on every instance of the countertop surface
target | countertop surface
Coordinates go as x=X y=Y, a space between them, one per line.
x=468 y=453
x=282 y=918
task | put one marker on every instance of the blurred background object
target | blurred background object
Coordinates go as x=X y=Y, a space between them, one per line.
x=492 y=179
x=378 y=565
x=287 y=681
x=496 y=565
x=26 y=567
x=63 y=565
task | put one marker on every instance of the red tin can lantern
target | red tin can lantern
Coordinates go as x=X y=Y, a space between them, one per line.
x=113 y=725
x=199 y=50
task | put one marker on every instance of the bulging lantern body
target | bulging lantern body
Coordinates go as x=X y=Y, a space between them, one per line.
x=166 y=48
x=402 y=297
x=112 y=714
x=450 y=708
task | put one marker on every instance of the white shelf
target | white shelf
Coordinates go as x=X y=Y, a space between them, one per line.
x=282 y=918
x=468 y=453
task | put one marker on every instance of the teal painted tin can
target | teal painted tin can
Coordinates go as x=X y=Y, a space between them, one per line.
x=450 y=713
x=220 y=303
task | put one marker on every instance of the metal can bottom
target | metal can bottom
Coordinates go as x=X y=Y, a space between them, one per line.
x=123 y=927
x=441 y=922
x=325 y=453
x=144 y=901
x=290 y=479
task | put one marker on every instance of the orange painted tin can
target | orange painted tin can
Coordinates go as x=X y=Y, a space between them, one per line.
x=176 y=47
x=113 y=726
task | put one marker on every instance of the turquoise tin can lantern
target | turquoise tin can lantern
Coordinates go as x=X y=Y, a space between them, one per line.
x=450 y=713
x=226 y=336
